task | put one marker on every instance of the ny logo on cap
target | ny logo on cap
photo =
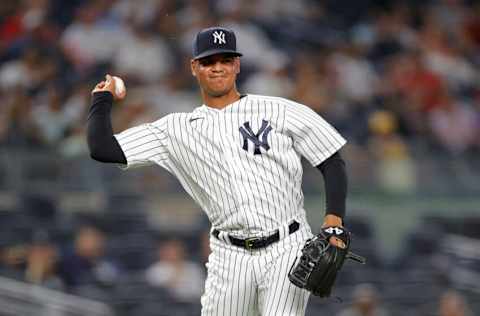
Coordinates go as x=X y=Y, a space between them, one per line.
x=219 y=37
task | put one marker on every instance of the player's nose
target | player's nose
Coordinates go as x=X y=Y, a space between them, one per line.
x=217 y=66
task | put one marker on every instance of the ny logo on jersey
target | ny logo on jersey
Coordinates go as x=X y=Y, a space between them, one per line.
x=262 y=134
x=219 y=37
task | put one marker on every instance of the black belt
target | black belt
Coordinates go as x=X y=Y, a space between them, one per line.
x=258 y=242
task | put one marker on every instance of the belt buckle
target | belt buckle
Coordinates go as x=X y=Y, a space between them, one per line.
x=249 y=242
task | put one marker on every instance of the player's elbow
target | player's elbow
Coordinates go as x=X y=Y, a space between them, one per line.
x=98 y=155
x=107 y=152
x=94 y=156
x=101 y=156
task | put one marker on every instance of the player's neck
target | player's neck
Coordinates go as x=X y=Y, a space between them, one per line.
x=222 y=101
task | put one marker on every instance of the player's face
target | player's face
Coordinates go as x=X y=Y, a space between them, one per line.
x=216 y=74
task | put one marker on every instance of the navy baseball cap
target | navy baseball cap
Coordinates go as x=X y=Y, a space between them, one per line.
x=215 y=40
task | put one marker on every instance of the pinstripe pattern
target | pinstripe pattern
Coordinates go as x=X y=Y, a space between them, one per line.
x=243 y=194
x=254 y=283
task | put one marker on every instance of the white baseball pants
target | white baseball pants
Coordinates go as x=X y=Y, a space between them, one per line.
x=243 y=282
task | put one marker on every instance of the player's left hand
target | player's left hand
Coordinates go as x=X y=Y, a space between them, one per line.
x=317 y=266
x=334 y=221
x=337 y=242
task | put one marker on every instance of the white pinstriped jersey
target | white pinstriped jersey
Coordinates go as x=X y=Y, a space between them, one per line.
x=241 y=164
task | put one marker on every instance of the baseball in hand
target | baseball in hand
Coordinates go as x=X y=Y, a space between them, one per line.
x=120 y=89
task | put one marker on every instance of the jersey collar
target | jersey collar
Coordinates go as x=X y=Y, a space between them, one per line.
x=214 y=110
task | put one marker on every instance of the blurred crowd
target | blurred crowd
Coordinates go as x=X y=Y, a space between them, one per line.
x=116 y=257
x=120 y=258
x=385 y=75
x=395 y=77
x=398 y=78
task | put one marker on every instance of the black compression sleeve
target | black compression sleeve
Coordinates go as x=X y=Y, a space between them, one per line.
x=102 y=144
x=335 y=178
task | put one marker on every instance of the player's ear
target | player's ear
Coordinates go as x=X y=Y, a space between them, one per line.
x=193 y=68
x=237 y=65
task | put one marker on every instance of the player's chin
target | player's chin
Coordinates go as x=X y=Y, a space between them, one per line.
x=218 y=92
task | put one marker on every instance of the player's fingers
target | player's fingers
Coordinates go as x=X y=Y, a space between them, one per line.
x=337 y=242
x=100 y=85
x=109 y=82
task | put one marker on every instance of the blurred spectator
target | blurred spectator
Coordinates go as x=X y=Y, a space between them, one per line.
x=355 y=76
x=41 y=262
x=272 y=10
x=314 y=84
x=19 y=128
x=39 y=209
x=270 y=82
x=31 y=72
x=74 y=145
x=173 y=271
x=450 y=12
x=75 y=107
x=365 y=303
x=453 y=304
x=453 y=124
x=390 y=37
x=443 y=56
x=35 y=11
x=472 y=28
x=11 y=26
x=143 y=13
x=87 y=264
x=53 y=118
x=142 y=57
x=195 y=14
x=88 y=42
x=13 y=256
x=407 y=76
x=395 y=168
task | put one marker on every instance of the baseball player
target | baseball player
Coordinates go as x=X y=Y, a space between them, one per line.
x=239 y=157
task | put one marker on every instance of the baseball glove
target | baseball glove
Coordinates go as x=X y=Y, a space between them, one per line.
x=316 y=268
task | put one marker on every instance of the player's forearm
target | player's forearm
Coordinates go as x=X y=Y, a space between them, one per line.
x=102 y=144
x=335 y=178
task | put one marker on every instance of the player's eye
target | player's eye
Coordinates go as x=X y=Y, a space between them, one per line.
x=206 y=61
x=209 y=61
x=227 y=60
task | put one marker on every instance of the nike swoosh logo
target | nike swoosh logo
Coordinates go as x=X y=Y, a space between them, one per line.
x=195 y=118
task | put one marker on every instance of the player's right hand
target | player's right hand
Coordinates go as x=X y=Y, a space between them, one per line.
x=108 y=85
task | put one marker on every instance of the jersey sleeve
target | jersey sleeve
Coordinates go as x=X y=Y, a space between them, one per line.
x=313 y=137
x=146 y=144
